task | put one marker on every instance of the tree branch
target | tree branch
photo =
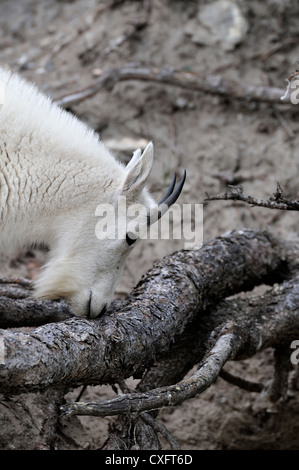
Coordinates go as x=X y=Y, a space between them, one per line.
x=143 y=328
x=275 y=201
x=17 y=309
x=166 y=396
x=239 y=382
x=247 y=326
x=211 y=84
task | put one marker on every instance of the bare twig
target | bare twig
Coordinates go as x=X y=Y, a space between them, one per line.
x=159 y=427
x=213 y=84
x=276 y=201
x=283 y=365
x=152 y=422
x=241 y=383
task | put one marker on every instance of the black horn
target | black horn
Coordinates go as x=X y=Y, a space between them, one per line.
x=167 y=200
x=174 y=194
x=169 y=191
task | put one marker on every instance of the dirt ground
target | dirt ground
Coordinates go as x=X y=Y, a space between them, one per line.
x=63 y=46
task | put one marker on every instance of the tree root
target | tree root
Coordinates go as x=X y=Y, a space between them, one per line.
x=180 y=314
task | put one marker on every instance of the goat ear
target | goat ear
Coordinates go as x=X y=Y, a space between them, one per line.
x=138 y=170
x=134 y=159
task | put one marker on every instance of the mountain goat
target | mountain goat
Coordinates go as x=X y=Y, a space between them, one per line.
x=54 y=173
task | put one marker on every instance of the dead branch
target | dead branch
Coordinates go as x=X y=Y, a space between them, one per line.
x=242 y=383
x=211 y=84
x=250 y=318
x=193 y=326
x=275 y=201
x=167 y=396
x=128 y=340
x=248 y=326
x=17 y=309
x=159 y=427
x=53 y=398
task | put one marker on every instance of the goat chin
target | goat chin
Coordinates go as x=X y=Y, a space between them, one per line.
x=83 y=302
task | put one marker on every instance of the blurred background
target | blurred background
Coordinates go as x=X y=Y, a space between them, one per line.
x=65 y=46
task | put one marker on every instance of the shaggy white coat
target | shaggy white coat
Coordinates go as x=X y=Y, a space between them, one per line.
x=54 y=173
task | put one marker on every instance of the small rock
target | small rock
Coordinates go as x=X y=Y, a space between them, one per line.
x=181 y=103
x=219 y=22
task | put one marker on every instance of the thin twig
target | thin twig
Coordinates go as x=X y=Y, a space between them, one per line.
x=276 y=201
x=81 y=393
x=159 y=427
x=151 y=421
x=241 y=383
x=283 y=365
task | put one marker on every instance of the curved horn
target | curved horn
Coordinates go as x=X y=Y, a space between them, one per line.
x=175 y=193
x=169 y=191
x=167 y=200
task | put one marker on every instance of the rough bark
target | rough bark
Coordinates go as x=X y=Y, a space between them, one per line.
x=178 y=290
x=256 y=323
x=31 y=421
x=28 y=312
x=246 y=327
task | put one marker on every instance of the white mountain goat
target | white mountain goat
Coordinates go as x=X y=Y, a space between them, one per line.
x=54 y=173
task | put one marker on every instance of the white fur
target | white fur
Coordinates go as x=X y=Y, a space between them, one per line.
x=54 y=172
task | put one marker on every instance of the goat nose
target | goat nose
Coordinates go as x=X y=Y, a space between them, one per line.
x=93 y=308
x=103 y=311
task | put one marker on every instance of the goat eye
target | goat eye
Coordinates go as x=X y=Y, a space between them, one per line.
x=130 y=240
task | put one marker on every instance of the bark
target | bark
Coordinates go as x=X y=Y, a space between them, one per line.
x=165 y=396
x=179 y=289
x=253 y=324
x=28 y=312
x=246 y=327
x=31 y=421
